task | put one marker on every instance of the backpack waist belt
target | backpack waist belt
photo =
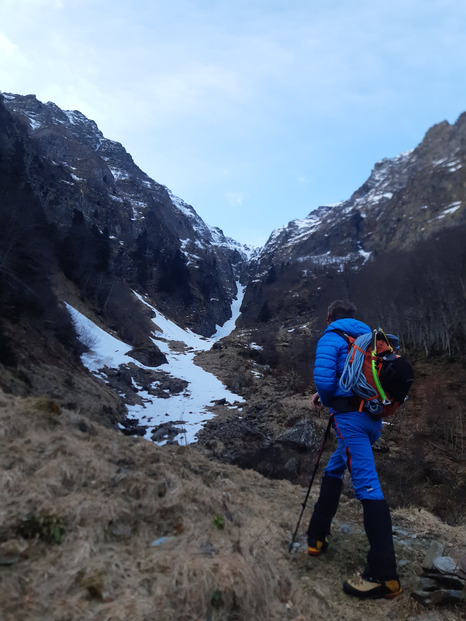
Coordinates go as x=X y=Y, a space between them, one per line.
x=346 y=404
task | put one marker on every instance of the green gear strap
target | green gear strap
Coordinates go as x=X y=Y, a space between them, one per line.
x=375 y=375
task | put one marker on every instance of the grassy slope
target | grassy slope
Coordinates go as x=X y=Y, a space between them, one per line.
x=228 y=529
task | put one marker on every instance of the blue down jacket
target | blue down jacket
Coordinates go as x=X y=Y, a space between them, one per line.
x=330 y=358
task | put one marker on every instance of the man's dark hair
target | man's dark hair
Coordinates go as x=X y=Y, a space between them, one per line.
x=341 y=309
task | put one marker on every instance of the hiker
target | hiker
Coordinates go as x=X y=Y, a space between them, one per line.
x=356 y=431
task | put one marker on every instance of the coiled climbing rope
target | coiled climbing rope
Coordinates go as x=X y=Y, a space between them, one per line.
x=353 y=379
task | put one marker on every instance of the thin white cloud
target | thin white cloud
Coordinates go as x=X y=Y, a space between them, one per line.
x=10 y=52
x=235 y=199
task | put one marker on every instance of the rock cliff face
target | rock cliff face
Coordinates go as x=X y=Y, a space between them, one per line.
x=405 y=200
x=406 y=220
x=159 y=246
x=152 y=239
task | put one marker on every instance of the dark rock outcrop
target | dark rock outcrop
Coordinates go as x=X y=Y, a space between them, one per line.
x=443 y=580
x=152 y=240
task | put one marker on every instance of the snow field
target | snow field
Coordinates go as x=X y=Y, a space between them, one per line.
x=189 y=408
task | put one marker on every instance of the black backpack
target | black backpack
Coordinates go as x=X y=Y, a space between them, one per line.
x=376 y=373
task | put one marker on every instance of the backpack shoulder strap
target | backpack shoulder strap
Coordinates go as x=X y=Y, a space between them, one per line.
x=344 y=335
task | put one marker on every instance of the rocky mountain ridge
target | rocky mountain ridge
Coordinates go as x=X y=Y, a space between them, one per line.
x=424 y=185
x=161 y=247
x=153 y=237
x=106 y=230
x=400 y=232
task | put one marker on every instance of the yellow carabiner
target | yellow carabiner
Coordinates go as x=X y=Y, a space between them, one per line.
x=375 y=375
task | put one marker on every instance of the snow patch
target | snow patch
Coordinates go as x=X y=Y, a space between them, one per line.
x=72 y=117
x=191 y=406
x=118 y=174
x=447 y=162
x=451 y=208
x=33 y=123
x=365 y=255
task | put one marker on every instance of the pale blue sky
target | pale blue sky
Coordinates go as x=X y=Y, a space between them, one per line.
x=255 y=112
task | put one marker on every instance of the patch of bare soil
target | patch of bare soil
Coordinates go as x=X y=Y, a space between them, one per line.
x=99 y=526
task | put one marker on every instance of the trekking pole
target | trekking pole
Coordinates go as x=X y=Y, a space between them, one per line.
x=326 y=434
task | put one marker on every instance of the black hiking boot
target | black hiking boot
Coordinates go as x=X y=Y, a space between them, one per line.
x=324 y=510
x=381 y=561
x=317 y=547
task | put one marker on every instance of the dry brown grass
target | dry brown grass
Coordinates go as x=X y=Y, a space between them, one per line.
x=225 y=556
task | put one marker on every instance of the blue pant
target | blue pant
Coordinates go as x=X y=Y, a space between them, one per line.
x=356 y=432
